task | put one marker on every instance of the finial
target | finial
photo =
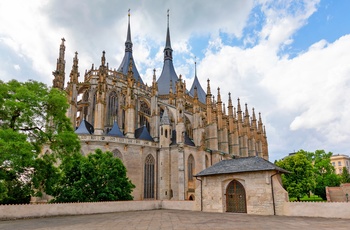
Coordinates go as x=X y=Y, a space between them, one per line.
x=195 y=66
x=168 y=17
x=63 y=40
x=129 y=13
x=154 y=74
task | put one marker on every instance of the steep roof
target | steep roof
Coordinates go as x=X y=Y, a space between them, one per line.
x=165 y=118
x=143 y=134
x=124 y=66
x=115 y=131
x=238 y=165
x=84 y=128
x=200 y=92
x=168 y=73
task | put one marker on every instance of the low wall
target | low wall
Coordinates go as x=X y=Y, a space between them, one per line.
x=317 y=209
x=307 y=209
x=44 y=210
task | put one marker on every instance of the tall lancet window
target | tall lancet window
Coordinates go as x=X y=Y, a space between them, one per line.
x=144 y=114
x=122 y=115
x=190 y=168
x=85 y=103
x=149 y=184
x=188 y=127
x=93 y=109
x=112 y=111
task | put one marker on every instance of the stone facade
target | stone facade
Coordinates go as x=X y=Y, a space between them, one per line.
x=185 y=131
x=258 y=192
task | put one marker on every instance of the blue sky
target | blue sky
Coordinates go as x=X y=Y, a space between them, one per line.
x=287 y=59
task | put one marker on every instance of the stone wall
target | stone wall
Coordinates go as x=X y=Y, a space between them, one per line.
x=306 y=209
x=45 y=210
x=338 y=194
x=317 y=209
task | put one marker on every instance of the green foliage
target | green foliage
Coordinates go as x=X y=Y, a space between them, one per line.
x=32 y=115
x=96 y=177
x=300 y=180
x=322 y=171
x=345 y=176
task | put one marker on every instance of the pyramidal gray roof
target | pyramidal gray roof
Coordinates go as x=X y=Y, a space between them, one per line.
x=124 y=66
x=115 y=131
x=200 y=92
x=165 y=118
x=84 y=128
x=142 y=133
x=238 y=165
x=168 y=73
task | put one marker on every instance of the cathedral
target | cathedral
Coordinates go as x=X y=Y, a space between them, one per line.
x=163 y=133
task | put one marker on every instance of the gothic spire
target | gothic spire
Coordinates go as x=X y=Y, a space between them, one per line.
x=200 y=92
x=168 y=43
x=74 y=74
x=128 y=43
x=59 y=73
x=124 y=66
x=168 y=73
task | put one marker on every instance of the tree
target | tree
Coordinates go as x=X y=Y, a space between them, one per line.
x=96 y=177
x=31 y=116
x=324 y=171
x=300 y=181
x=345 y=176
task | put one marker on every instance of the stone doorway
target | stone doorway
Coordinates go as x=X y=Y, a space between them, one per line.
x=235 y=197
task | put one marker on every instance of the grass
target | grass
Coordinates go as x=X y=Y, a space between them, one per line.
x=306 y=198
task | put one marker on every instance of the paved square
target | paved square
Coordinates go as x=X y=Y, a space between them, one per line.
x=174 y=219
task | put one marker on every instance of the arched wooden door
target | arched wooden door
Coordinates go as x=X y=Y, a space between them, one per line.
x=235 y=197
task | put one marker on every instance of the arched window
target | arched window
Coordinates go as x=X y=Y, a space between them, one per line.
x=188 y=127
x=190 y=167
x=118 y=154
x=93 y=110
x=123 y=104
x=85 y=103
x=112 y=111
x=144 y=114
x=149 y=184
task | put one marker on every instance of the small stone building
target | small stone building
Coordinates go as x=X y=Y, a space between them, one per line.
x=250 y=185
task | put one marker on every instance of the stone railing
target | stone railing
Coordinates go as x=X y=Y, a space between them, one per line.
x=121 y=140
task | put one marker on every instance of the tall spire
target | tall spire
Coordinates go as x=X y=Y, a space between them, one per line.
x=59 y=73
x=124 y=66
x=168 y=73
x=168 y=43
x=74 y=74
x=128 y=43
x=200 y=92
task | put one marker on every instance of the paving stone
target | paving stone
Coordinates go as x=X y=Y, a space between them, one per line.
x=174 y=219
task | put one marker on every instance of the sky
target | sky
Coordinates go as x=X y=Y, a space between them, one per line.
x=290 y=60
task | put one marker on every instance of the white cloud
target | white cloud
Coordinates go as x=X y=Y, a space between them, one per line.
x=304 y=100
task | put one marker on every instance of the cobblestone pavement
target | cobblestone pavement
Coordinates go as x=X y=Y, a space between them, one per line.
x=174 y=219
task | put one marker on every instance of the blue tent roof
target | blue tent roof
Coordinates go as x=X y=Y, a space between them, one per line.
x=142 y=133
x=84 y=128
x=115 y=131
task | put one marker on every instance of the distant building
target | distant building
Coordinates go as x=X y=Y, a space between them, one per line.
x=163 y=133
x=339 y=161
